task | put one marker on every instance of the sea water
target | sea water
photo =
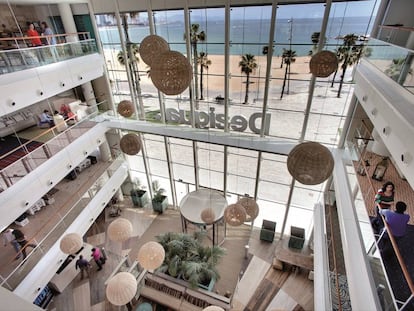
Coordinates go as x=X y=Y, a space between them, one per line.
x=247 y=36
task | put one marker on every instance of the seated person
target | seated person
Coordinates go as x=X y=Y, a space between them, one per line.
x=46 y=118
x=67 y=113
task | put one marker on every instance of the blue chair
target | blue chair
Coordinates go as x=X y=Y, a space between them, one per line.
x=145 y=306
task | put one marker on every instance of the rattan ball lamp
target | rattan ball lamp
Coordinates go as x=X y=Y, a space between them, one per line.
x=120 y=230
x=71 y=243
x=208 y=215
x=130 y=144
x=151 y=255
x=310 y=163
x=251 y=208
x=323 y=64
x=213 y=308
x=171 y=73
x=151 y=47
x=235 y=214
x=121 y=288
x=126 y=108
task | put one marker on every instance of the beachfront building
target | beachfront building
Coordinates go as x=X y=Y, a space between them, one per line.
x=251 y=99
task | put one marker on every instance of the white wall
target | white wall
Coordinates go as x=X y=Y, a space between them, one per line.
x=390 y=108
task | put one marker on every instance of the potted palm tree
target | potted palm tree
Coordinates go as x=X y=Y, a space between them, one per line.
x=138 y=194
x=159 y=200
x=187 y=258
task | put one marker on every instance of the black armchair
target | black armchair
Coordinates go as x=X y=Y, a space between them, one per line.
x=267 y=233
x=297 y=237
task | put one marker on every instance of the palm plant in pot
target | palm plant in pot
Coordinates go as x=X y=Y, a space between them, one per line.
x=159 y=200
x=138 y=194
x=187 y=258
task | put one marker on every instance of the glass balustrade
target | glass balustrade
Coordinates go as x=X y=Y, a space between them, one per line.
x=39 y=149
x=396 y=62
x=59 y=222
x=15 y=55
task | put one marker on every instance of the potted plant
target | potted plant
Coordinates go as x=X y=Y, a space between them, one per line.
x=159 y=201
x=139 y=196
x=187 y=258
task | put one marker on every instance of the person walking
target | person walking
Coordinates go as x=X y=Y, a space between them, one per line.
x=8 y=238
x=83 y=266
x=97 y=256
x=21 y=239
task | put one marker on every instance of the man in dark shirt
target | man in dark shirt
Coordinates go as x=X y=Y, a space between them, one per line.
x=83 y=265
x=21 y=239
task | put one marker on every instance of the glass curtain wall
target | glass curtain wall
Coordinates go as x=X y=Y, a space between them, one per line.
x=294 y=43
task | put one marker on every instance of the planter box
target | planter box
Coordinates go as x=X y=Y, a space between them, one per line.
x=139 y=197
x=210 y=285
x=160 y=206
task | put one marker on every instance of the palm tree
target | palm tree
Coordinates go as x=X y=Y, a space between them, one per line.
x=195 y=36
x=348 y=54
x=204 y=62
x=187 y=257
x=247 y=64
x=133 y=60
x=289 y=57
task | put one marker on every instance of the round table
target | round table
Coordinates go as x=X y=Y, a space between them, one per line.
x=194 y=203
x=145 y=306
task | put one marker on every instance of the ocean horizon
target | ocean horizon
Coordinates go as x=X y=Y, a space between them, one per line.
x=247 y=36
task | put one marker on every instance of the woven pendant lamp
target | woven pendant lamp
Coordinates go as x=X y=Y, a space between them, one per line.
x=71 y=243
x=310 y=163
x=151 y=47
x=235 y=214
x=251 y=208
x=151 y=255
x=208 y=215
x=171 y=73
x=213 y=308
x=323 y=64
x=120 y=230
x=130 y=144
x=126 y=108
x=121 y=288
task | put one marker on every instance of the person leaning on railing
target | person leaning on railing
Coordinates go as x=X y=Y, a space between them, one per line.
x=396 y=221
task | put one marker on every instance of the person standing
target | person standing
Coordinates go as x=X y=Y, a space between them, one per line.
x=32 y=32
x=97 y=256
x=83 y=266
x=384 y=199
x=21 y=239
x=8 y=237
x=48 y=33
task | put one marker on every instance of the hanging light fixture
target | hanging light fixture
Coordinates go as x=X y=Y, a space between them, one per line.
x=208 y=215
x=71 y=243
x=126 y=108
x=310 y=163
x=251 y=208
x=323 y=64
x=151 y=255
x=120 y=230
x=150 y=47
x=171 y=72
x=235 y=214
x=130 y=144
x=121 y=288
